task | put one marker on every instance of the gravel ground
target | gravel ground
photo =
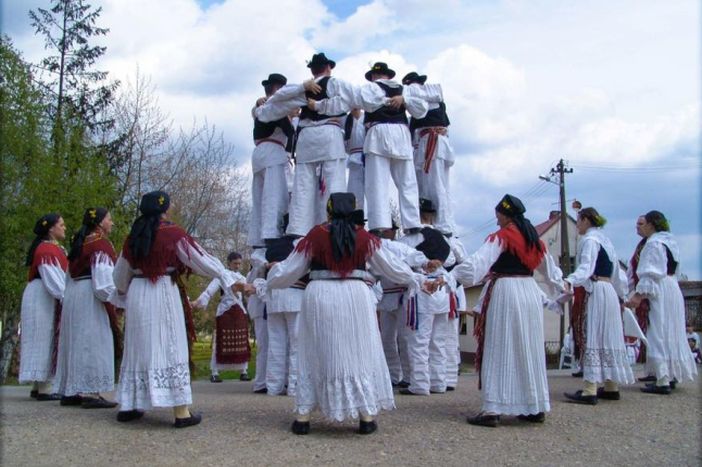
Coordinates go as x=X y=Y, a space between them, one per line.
x=243 y=428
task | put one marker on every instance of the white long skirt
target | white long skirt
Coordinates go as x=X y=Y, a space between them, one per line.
x=668 y=353
x=514 y=361
x=341 y=366
x=86 y=351
x=37 y=319
x=605 y=356
x=154 y=370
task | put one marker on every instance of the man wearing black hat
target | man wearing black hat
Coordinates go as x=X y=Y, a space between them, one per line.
x=387 y=146
x=320 y=153
x=433 y=154
x=269 y=163
x=428 y=325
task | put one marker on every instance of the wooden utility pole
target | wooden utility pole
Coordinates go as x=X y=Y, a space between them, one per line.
x=561 y=170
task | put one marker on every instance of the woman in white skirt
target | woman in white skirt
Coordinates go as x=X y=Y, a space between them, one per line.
x=668 y=355
x=604 y=358
x=85 y=366
x=155 y=366
x=41 y=306
x=341 y=366
x=510 y=359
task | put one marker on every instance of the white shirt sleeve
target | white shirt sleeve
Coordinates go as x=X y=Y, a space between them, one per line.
x=384 y=263
x=415 y=106
x=587 y=259
x=102 y=270
x=122 y=274
x=207 y=294
x=652 y=268
x=476 y=266
x=338 y=101
x=281 y=103
x=285 y=273
x=53 y=278
x=431 y=93
x=202 y=263
x=553 y=275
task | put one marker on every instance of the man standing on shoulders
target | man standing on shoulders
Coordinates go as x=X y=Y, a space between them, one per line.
x=320 y=153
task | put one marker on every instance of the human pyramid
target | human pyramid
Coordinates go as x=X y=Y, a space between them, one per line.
x=343 y=315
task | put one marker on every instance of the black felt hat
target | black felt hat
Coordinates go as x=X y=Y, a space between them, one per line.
x=320 y=60
x=413 y=77
x=426 y=205
x=380 y=68
x=510 y=206
x=275 y=78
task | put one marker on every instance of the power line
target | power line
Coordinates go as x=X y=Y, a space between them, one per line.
x=605 y=168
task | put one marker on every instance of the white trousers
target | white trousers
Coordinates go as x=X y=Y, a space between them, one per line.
x=435 y=186
x=427 y=353
x=282 y=353
x=269 y=203
x=308 y=206
x=379 y=171
x=453 y=352
x=215 y=367
x=261 y=331
x=389 y=327
x=356 y=183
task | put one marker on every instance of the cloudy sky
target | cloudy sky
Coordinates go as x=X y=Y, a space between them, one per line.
x=613 y=87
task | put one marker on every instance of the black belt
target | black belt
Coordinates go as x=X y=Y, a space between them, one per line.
x=83 y=278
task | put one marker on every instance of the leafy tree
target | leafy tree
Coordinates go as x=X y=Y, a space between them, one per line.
x=67 y=27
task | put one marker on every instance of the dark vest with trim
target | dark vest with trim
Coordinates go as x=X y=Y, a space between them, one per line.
x=434 y=117
x=278 y=249
x=603 y=266
x=509 y=264
x=348 y=125
x=264 y=130
x=671 y=264
x=308 y=114
x=434 y=245
x=387 y=114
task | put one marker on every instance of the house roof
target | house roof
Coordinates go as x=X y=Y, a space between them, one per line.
x=553 y=218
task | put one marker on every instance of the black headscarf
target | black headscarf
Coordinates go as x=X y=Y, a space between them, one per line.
x=41 y=230
x=143 y=232
x=512 y=207
x=91 y=219
x=340 y=208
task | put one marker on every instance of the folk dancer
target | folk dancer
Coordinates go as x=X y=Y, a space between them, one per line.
x=320 y=155
x=604 y=356
x=270 y=163
x=426 y=326
x=387 y=145
x=510 y=358
x=158 y=325
x=41 y=306
x=341 y=370
x=230 y=339
x=86 y=355
x=668 y=356
x=433 y=154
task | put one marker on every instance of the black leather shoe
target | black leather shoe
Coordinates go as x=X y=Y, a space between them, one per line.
x=33 y=393
x=97 y=403
x=129 y=415
x=403 y=384
x=648 y=379
x=300 y=428
x=413 y=230
x=437 y=392
x=71 y=400
x=48 y=397
x=450 y=388
x=673 y=383
x=578 y=398
x=484 y=420
x=533 y=418
x=577 y=374
x=261 y=391
x=215 y=379
x=653 y=389
x=608 y=395
x=244 y=377
x=366 y=428
x=192 y=420
x=407 y=392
